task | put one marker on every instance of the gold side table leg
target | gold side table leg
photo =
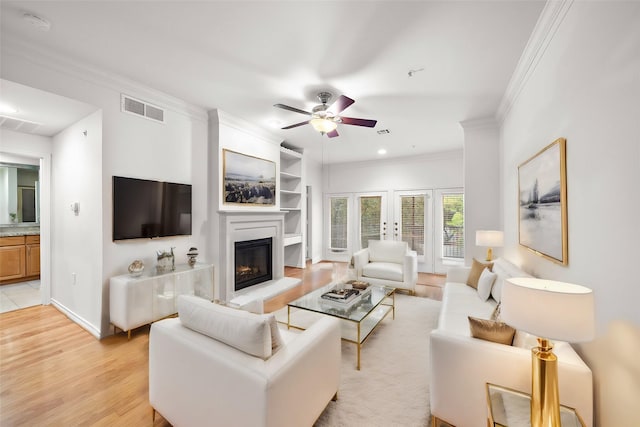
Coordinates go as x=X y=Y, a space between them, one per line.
x=288 y=316
x=359 y=344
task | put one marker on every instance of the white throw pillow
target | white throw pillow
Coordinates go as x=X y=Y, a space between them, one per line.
x=485 y=282
x=247 y=332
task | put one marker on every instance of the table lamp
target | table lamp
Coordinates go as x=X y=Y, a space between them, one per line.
x=491 y=239
x=552 y=311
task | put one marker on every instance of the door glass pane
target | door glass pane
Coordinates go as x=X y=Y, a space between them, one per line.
x=453 y=220
x=413 y=222
x=370 y=219
x=339 y=212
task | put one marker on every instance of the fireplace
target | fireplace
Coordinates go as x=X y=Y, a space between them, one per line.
x=253 y=262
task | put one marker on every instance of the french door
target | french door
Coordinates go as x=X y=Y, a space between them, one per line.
x=413 y=223
x=372 y=218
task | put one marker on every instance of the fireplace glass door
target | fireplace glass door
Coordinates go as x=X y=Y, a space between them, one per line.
x=253 y=262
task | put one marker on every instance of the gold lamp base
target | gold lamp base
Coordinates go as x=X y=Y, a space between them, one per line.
x=489 y=254
x=545 y=400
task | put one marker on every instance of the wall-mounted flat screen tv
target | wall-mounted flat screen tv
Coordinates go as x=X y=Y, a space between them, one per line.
x=146 y=209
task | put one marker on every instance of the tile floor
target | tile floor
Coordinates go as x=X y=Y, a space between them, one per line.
x=19 y=295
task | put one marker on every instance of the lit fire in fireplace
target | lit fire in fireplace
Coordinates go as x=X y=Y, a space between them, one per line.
x=246 y=270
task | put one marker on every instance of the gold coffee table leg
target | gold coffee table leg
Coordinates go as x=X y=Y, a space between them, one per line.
x=359 y=344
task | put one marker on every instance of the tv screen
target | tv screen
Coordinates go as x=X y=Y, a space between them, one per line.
x=146 y=209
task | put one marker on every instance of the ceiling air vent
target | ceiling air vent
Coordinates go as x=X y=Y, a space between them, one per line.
x=12 y=123
x=141 y=108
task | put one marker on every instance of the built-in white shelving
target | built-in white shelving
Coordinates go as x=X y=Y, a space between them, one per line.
x=292 y=201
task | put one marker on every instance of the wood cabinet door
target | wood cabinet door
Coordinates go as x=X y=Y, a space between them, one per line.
x=12 y=262
x=33 y=260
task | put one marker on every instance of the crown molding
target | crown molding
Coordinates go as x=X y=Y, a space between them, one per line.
x=481 y=123
x=89 y=73
x=244 y=126
x=545 y=29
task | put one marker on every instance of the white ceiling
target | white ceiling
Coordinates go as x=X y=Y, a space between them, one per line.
x=242 y=57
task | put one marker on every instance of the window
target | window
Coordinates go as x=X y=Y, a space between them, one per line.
x=338 y=226
x=453 y=225
x=412 y=222
x=370 y=219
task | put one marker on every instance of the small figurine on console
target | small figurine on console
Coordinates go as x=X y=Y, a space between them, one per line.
x=192 y=255
x=166 y=261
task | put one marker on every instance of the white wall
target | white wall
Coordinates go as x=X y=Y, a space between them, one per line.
x=482 y=204
x=131 y=146
x=586 y=88
x=76 y=249
x=313 y=170
x=442 y=170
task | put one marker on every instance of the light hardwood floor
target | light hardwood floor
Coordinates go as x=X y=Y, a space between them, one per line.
x=54 y=373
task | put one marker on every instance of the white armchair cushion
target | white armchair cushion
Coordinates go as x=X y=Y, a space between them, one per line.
x=383 y=270
x=248 y=332
x=387 y=251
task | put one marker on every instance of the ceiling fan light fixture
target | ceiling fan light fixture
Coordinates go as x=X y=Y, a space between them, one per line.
x=323 y=125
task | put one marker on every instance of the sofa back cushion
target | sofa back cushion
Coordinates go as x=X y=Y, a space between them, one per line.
x=387 y=251
x=504 y=270
x=247 y=332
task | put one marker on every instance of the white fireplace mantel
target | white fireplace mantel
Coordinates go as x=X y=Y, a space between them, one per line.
x=236 y=226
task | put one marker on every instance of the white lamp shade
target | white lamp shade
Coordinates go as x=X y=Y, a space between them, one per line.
x=490 y=238
x=548 y=309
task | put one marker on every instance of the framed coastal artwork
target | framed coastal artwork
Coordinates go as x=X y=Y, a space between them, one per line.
x=542 y=198
x=248 y=180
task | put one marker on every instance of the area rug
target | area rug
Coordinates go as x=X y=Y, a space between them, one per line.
x=391 y=389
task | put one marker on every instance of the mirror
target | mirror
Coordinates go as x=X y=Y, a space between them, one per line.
x=20 y=195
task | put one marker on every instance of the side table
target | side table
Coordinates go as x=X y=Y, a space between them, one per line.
x=511 y=408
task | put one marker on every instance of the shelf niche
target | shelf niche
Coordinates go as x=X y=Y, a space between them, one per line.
x=293 y=202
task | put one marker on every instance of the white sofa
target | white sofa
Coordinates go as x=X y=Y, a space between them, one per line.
x=388 y=263
x=460 y=366
x=196 y=380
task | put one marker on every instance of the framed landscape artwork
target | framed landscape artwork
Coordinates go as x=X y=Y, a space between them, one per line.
x=248 y=180
x=542 y=190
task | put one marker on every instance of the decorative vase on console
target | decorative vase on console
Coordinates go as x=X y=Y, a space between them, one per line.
x=166 y=261
x=136 y=268
x=192 y=255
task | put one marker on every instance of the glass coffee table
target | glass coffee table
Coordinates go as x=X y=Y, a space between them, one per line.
x=358 y=320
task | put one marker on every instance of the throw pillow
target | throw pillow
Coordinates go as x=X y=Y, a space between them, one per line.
x=276 y=338
x=247 y=332
x=490 y=330
x=476 y=271
x=485 y=282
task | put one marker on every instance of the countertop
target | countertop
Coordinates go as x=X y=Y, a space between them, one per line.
x=11 y=231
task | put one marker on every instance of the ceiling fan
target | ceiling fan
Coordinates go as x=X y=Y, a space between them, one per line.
x=325 y=118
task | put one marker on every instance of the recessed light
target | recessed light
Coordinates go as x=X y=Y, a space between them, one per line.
x=6 y=108
x=382 y=151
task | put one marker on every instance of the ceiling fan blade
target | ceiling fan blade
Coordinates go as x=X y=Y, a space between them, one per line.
x=340 y=104
x=333 y=134
x=296 y=125
x=294 y=109
x=358 y=122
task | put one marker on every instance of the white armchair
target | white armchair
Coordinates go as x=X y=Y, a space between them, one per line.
x=388 y=263
x=236 y=380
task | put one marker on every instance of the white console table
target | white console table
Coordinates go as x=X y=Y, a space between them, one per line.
x=137 y=301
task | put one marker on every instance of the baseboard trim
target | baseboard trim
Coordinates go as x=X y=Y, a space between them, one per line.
x=76 y=318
